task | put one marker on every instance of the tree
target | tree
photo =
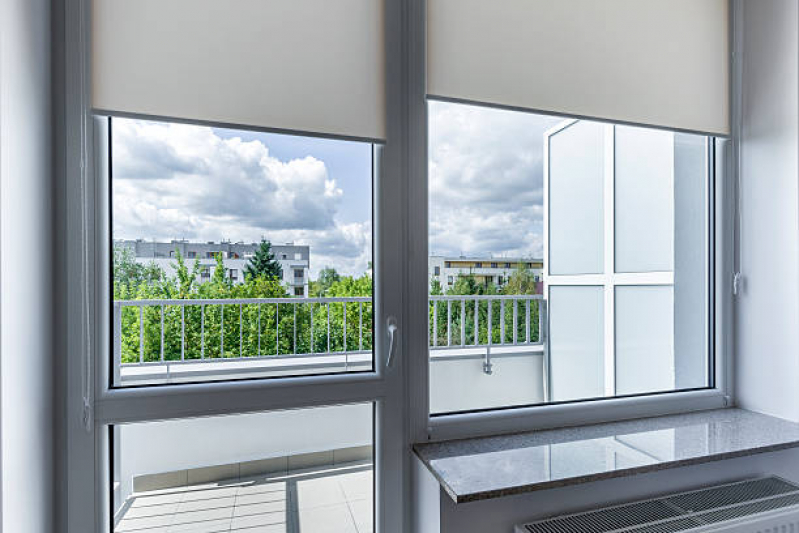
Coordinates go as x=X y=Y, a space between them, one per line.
x=263 y=263
x=522 y=281
x=327 y=278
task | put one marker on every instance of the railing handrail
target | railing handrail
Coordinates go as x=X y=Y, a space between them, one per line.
x=240 y=301
x=302 y=300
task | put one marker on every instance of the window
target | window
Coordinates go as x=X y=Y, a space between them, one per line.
x=260 y=332
x=625 y=308
x=265 y=470
x=478 y=265
x=448 y=264
x=507 y=265
x=449 y=280
x=191 y=255
x=437 y=271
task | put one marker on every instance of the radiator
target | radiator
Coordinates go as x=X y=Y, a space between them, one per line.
x=764 y=505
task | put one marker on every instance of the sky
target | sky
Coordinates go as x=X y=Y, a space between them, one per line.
x=174 y=181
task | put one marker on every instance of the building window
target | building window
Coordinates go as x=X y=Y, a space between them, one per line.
x=493 y=265
x=233 y=273
x=298 y=256
x=284 y=256
x=500 y=280
x=210 y=255
x=448 y=264
x=449 y=280
x=507 y=265
x=298 y=273
x=191 y=255
x=437 y=271
x=478 y=265
x=299 y=291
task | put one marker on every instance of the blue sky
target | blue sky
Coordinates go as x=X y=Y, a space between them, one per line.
x=175 y=181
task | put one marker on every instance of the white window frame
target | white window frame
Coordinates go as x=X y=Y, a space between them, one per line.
x=427 y=427
x=92 y=407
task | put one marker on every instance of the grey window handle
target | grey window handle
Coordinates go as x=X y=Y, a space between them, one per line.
x=391 y=330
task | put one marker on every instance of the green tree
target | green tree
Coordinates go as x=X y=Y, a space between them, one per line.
x=263 y=263
x=326 y=278
x=522 y=281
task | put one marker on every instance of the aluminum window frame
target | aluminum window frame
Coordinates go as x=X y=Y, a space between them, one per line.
x=92 y=406
x=428 y=427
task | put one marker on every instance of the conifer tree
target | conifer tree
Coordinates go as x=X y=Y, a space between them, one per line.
x=263 y=263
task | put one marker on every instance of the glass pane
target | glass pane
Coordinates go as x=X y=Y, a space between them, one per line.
x=576 y=199
x=577 y=342
x=287 y=471
x=485 y=262
x=238 y=254
x=691 y=253
x=644 y=339
x=644 y=208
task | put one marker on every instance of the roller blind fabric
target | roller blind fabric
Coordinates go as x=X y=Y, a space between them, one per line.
x=313 y=66
x=663 y=63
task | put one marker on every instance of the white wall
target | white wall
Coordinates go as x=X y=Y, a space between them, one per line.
x=26 y=401
x=767 y=322
x=157 y=447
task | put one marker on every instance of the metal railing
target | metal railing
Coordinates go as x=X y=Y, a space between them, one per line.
x=176 y=331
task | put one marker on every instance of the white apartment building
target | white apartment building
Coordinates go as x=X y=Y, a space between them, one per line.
x=496 y=270
x=294 y=259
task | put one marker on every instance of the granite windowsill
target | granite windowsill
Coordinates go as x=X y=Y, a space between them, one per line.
x=492 y=467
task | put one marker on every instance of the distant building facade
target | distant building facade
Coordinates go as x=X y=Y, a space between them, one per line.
x=486 y=270
x=294 y=259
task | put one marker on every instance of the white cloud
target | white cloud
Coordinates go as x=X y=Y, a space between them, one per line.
x=178 y=181
x=486 y=180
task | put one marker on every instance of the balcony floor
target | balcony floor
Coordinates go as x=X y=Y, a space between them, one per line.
x=326 y=499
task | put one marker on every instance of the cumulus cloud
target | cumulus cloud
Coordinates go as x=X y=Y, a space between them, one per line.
x=175 y=181
x=180 y=181
x=486 y=180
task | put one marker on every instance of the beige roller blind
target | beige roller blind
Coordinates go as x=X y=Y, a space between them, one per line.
x=654 y=62
x=312 y=66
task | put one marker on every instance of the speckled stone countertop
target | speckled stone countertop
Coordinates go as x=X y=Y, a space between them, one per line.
x=492 y=467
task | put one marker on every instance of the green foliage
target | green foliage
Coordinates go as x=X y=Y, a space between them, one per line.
x=233 y=330
x=521 y=282
x=263 y=263
x=327 y=277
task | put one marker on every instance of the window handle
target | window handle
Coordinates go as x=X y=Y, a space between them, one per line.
x=391 y=330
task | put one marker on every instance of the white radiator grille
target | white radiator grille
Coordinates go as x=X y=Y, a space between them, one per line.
x=688 y=511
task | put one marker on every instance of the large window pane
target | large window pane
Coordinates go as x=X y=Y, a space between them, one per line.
x=238 y=254
x=625 y=304
x=288 y=471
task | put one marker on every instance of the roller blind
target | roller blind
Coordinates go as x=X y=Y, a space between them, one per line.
x=663 y=63
x=299 y=65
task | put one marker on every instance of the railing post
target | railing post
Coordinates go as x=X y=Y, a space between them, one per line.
x=312 y=347
x=241 y=322
x=527 y=325
x=515 y=321
x=117 y=344
x=294 y=347
x=463 y=321
x=449 y=322
x=476 y=322
x=435 y=322
x=360 y=326
x=344 y=307
x=141 y=333
x=490 y=321
x=328 y=327
x=202 y=331
x=182 y=332
x=502 y=321
x=277 y=328
x=162 y=333
x=222 y=331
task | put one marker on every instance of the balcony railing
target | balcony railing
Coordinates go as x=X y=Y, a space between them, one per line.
x=311 y=333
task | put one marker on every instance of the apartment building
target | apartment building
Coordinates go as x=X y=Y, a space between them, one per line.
x=485 y=269
x=294 y=259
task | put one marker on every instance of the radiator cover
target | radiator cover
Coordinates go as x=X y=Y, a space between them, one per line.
x=764 y=505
